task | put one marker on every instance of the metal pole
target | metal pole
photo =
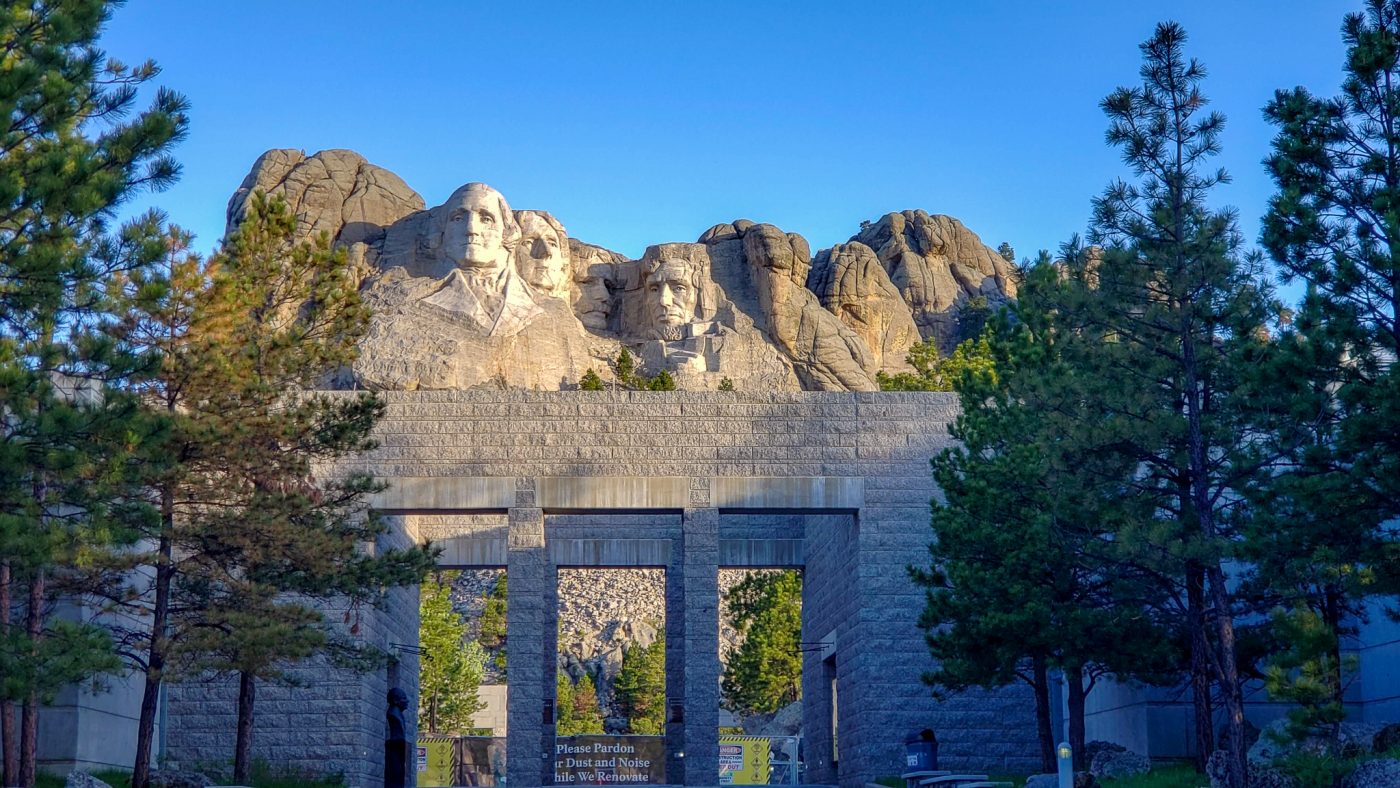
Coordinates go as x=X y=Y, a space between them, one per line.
x=1065 y=757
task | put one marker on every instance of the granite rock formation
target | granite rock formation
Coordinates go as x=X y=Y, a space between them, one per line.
x=336 y=192
x=472 y=294
x=940 y=267
x=851 y=283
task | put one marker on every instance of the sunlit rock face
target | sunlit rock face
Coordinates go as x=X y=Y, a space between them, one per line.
x=334 y=191
x=542 y=256
x=851 y=283
x=470 y=293
x=940 y=267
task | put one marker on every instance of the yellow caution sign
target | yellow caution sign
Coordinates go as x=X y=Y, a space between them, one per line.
x=435 y=761
x=743 y=760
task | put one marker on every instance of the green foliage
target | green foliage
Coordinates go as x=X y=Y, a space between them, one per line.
x=1331 y=226
x=765 y=673
x=1024 y=564
x=640 y=687
x=576 y=709
x=450 y=668
x=76 y=146
x=931 y=373
x=725 y=384
x=630 y=376
x=1161 y=776
x=492 y=628
x=590 y=381
x=1307 y=673
x=249 y=539
x=1007 y=253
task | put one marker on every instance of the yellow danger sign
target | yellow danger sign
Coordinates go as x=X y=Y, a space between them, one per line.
x=743 y=760
x=435 y=765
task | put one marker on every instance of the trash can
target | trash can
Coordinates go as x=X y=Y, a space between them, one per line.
x=921 y=751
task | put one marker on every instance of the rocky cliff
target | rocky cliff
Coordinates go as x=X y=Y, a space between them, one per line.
x=471 y=293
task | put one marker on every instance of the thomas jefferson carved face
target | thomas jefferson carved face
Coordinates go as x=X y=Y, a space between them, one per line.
x=671 y=295
x=478 y=230
x=542 y=258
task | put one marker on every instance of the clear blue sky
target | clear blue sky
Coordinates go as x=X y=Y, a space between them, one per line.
x=645 y=122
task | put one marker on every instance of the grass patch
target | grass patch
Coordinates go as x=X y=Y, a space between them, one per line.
x=1173 y=776
x=263 y=776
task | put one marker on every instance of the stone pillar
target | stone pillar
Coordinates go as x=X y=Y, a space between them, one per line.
x=699 y=657
x=530 y=625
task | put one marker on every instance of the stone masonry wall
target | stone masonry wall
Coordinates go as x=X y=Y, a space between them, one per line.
x=326 y=720
x=855 y=561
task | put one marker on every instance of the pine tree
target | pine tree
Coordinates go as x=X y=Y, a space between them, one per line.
x=284 y=315
x=1174 y=320
x=1024 y=572
x=576 y=707
x=764 y=673
x=73 y=152
x=248 y=541
x=1331 y=226
x=451 y=667
x=640 y=687
x=491 y=628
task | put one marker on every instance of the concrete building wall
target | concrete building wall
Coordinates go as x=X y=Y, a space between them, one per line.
x=493 y=714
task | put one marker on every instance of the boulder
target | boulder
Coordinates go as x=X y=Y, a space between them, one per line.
x=1380 y=773
x=171 y=778
x=1093 y=748
x=940 y=268
x=1353 y=739
x=1386 y=739
x=83 y=780
x=763 y=273
x=786 y=721
x=1112 y=764
x=1261 y=775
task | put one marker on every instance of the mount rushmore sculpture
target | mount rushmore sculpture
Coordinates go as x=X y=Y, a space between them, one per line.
x=471 y=293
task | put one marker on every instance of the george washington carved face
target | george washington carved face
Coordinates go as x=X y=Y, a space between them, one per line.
x=478 y=230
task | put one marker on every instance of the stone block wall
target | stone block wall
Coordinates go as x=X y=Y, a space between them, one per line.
x=325 y=720
x=496 y=475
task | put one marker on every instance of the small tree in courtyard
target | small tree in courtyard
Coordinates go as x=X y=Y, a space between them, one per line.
x=765 y=673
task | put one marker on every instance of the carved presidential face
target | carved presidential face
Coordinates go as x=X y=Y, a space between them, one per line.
x=478 y=230
x=542 y=258
x=671 y=295
x=593 y=301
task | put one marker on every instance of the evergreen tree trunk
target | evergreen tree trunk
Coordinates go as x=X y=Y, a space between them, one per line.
x=1074 y=678
x=29 y=714
x=155 y=658
x=1228 y=672
x=9 y=753
x=1043 y=728
x=1200 y=664
x=243 y=747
